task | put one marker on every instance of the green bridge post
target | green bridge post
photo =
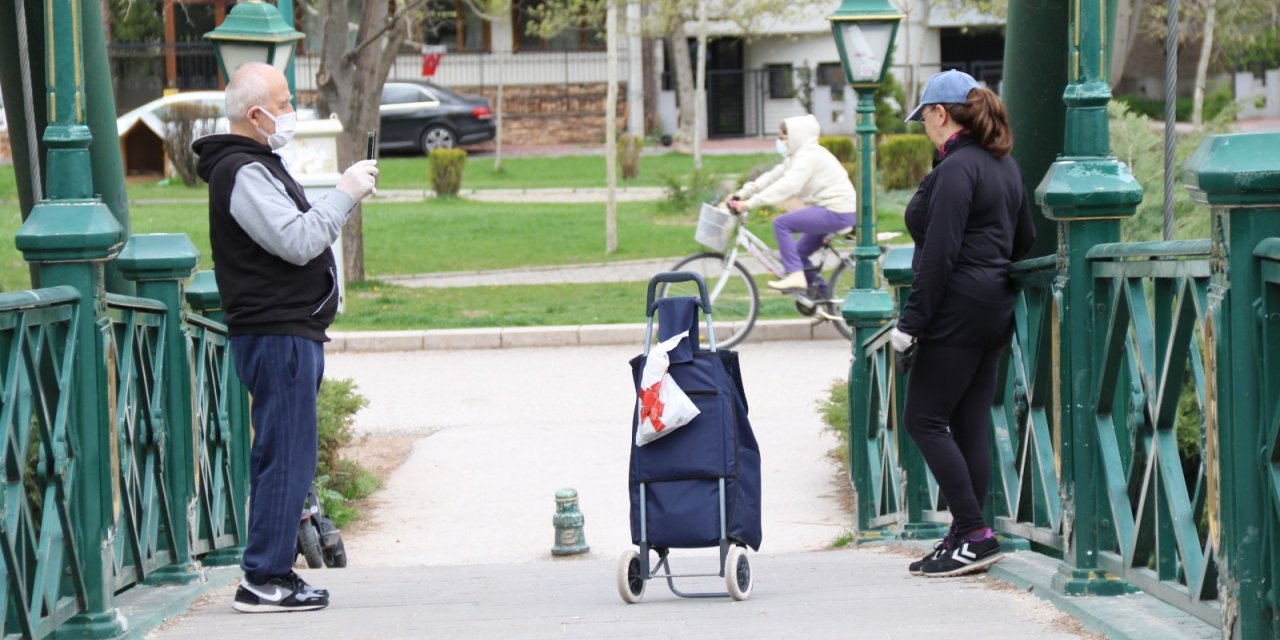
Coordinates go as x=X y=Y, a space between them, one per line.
x=1087 y=193
x=69 y=236
x=1237 y=176
x=158 y=264
x=866 y=311
x=202 y=295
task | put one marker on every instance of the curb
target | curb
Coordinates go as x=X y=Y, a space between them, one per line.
x=144 y=608
x=561 y=336
x=1137 y=616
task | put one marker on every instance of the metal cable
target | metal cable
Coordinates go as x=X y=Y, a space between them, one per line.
x=1170 y=114
x=33 y=146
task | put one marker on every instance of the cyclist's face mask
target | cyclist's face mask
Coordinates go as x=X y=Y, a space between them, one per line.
x=782 y=146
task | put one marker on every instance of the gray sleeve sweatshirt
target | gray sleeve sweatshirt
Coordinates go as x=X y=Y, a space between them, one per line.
x=262 y=207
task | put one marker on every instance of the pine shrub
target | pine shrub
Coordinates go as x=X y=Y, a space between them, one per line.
x=905 y=159
x=446 y=170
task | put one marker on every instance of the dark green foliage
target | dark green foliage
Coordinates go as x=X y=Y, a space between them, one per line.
x=840 y=146
x=339 y=480
x=686 y=194
x=904 y=160
x=446 y=167
x=889 y=100
x=136 y=21
x=1214 y=104
x=835 y=414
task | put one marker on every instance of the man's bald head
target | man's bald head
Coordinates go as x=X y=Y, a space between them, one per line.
x=253 y=84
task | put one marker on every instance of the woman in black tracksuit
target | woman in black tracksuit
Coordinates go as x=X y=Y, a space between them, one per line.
x=969 y=219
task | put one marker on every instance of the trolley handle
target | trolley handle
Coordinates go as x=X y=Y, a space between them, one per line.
x=651 y=304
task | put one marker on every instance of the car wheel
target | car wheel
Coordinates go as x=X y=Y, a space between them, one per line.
x=437 y=137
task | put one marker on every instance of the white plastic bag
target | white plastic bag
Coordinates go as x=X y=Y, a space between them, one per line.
x=664 y=406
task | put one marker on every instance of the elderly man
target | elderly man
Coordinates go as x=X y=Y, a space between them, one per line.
x=279 y=287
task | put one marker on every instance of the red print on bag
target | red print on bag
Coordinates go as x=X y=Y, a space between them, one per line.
x=651 y=406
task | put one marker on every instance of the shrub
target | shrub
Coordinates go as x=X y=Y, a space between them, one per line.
x=889 y=100
x=686 y=194
x=852 y=169
x=629 y=156
x=184 y=123
x=840 y=146
x=904 y=160
x=446 y=170
x=338 y=479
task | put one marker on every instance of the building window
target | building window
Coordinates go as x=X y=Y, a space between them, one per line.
x=781 y=83
x=831 y=74
x=453 y=24
x=582 y=38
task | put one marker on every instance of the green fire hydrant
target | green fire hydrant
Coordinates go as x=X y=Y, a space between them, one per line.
x=568 y=522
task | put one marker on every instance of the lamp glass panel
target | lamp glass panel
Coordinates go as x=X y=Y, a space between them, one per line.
x=865 y=45
x=283 y=54
x=238 y=54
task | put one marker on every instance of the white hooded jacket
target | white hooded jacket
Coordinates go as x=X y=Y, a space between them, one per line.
x=809 y=173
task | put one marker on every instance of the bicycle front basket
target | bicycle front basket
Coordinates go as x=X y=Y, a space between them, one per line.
x=715 y=226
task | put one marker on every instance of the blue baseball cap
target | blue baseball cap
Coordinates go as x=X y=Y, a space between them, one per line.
x=948 y=87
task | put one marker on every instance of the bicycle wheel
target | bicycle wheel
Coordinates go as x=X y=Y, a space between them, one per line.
x=839 y=284
x=735 y=303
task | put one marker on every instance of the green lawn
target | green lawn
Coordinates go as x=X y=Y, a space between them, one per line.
x=517 y=173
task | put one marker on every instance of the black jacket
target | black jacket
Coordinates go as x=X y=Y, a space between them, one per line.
x=261 y=293
x=970 y=219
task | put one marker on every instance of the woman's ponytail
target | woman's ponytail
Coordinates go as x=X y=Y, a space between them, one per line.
x=987 y=120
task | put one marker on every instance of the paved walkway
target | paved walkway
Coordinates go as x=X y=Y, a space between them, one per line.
x=457 y=544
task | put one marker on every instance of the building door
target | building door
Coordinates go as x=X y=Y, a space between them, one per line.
x=726 y=88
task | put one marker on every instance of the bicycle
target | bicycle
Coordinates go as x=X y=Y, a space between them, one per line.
x=735 y=298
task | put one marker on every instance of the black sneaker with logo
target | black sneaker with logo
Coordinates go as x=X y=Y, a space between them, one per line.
x=282 y=593
x=967 y=556
x=944 y=545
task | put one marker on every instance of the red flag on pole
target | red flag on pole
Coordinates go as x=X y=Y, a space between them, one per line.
x=431 y=54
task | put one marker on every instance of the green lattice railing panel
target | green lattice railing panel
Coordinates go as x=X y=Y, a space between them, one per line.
x=40 y=568
x=219 y=498
x=1025 y=499
x=144 y=525
x=1149 y=399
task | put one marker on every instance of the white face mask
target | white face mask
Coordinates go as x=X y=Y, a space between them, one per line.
x=782 y=147
x=285 y=126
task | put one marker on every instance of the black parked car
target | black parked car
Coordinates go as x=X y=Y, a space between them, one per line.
x=423 y=116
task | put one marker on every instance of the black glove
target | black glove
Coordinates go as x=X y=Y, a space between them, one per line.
x=902 y=361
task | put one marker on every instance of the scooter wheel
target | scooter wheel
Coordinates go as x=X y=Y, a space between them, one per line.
x=336 y=556
x=309 y=545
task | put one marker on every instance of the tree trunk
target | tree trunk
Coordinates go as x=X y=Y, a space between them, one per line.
x=651 y=87
x=611 y=131
x=685 y=98
x=1128 y=18
x=700 y=104
x=1202 y=66
x=347 y=89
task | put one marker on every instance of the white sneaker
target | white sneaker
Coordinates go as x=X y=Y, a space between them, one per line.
x=793 y=280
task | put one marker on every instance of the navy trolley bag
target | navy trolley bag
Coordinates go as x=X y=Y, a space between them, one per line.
x=698 y=486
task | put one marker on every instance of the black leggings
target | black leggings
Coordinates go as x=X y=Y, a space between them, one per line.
x=948 y=415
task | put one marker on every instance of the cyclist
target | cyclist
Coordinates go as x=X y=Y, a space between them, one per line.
x=811 y=174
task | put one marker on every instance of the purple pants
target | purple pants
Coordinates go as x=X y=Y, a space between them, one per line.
x=814 y=223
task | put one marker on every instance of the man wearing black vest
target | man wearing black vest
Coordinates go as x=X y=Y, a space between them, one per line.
x=279 y=287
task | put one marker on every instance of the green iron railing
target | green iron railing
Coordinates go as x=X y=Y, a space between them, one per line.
x=171 y=436
x=41 y=562
x=144 y=524
x=1136 y=429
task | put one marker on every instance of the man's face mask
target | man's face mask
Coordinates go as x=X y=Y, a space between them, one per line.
x=286 y=124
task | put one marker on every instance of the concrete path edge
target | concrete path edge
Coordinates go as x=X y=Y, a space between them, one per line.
x=144 y=608
x=556 y=336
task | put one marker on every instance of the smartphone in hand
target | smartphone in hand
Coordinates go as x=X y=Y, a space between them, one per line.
x=372 y=152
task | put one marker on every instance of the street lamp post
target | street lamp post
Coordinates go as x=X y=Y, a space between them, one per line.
x=864 y=31
x=253 y=31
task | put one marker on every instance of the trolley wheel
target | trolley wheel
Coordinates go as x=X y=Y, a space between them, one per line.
x=737 y=573
x=630 y=579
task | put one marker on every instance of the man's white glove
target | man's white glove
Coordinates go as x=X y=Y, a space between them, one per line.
x=900 y=340
x=359 y=180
